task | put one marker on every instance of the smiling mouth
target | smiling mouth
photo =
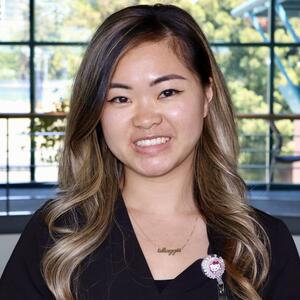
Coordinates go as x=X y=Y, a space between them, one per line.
x=152 y=142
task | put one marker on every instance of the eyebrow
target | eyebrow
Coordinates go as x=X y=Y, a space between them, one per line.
x=152 y=83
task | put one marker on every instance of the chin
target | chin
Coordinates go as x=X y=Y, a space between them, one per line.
x=154 y=172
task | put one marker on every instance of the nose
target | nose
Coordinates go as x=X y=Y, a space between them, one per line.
x=146 y=115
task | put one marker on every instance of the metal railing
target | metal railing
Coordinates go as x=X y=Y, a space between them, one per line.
x=8 y=188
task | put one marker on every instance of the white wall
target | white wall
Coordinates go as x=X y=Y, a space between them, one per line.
x=7 y=244
x=297 y=241
x=8 y=241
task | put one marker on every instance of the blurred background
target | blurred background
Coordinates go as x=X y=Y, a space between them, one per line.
x=256 y=43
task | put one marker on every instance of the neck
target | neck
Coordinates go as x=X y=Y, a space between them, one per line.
x=164 y=195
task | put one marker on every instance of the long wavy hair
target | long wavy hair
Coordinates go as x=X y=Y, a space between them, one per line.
x=79 y=218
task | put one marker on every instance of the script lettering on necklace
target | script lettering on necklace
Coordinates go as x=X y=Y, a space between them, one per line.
x=168 y=251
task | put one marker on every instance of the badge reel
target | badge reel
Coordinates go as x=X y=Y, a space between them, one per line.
x=214 y=267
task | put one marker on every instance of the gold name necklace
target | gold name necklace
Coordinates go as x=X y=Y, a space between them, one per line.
x=166 y=250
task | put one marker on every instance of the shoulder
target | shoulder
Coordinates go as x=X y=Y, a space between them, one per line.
x=270 y=223
x=276 y=230
x=281 y=240
x=284 y=272
x=22 y=277
x=34 y=238
x=37 y=229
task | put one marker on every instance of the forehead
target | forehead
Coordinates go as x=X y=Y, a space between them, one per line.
x=152 y=56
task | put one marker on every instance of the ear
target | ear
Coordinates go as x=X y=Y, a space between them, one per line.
x=208 y=95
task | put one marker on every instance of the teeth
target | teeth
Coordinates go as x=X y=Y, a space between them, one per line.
x=157 y=141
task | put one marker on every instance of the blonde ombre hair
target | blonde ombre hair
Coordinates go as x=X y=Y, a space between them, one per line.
x=90 y=176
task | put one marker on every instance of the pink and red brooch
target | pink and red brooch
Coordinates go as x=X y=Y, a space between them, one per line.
x=214 y=267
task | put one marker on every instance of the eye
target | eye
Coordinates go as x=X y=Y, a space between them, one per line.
x=169 y=93
x=119 y=99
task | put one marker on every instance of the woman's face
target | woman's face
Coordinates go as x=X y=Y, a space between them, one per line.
x=154 y=111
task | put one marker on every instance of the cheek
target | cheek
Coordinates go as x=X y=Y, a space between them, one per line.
x=187 y=116
x=113 y=127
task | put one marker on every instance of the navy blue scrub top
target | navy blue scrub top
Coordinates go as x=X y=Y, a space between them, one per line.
x=118 y=269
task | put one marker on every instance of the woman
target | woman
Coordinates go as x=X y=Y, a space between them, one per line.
x=151 y=205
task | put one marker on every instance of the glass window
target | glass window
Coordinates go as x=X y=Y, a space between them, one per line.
x=287 y=80
x=286 y=152
x=19 y=150
x=37 y=72
x=253 y=159
x=14 y=79
x=3 y=151
x=72 y=20
x=246 y=72
x=48 y=134
x=55 y=68
x=287 y=21
x=14 y=20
